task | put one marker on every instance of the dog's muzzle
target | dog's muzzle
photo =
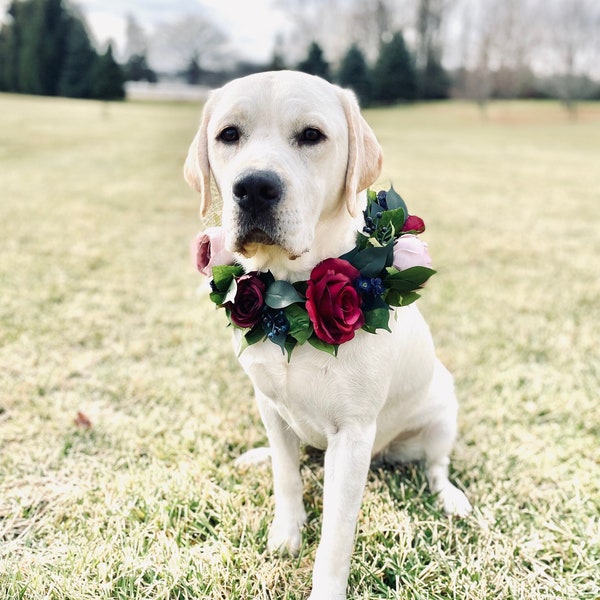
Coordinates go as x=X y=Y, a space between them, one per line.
x=257 y=195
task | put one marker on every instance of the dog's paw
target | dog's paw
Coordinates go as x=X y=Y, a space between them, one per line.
x=253 y=458
x=285 y=535
x=454 y=502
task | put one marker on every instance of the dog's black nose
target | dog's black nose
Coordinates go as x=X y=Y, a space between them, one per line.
x=258 y=191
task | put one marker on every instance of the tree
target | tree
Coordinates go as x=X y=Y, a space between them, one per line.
x=315 y=63
x=193 y=71
x=433 y=83
x=394 y=76
x=108 y=78
x=354 y=74
x=193 y=37
x=80 y=58
x=136 y=69
x=572 y=47
x=45 y=49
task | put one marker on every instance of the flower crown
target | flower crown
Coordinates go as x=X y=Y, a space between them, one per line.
x=358 y=290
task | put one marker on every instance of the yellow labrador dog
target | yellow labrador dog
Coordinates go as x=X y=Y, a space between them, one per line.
x=291 y=157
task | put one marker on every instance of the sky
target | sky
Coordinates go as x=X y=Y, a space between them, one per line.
x=251 y=25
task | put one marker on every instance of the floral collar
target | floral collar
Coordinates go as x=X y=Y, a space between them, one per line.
x=358 y=290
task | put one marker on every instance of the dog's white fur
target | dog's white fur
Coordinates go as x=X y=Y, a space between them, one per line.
x=384 y=395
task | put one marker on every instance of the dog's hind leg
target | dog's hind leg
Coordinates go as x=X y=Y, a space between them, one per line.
x=285 y=532
x=437 y=439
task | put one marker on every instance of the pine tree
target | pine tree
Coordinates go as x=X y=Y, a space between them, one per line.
x=434 y=83
x=136 y=69
x=108 y=78
x=394 y=73
x=7 y=62
x=45 y=49
x=193 y=71
x=354 y=74
x=315 y=63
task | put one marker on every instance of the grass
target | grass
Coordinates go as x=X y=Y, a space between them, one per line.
x=100 y=313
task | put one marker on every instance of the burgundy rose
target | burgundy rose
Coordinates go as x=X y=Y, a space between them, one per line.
x=332 y=301
x=247 y=306
x=413 y=224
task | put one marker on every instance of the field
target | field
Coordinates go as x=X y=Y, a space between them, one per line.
x=102 y=314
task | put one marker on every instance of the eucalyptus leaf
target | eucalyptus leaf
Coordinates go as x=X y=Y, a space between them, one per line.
x=281 y=294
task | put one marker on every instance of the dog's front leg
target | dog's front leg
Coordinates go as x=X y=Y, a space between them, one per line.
x=347 y=463
x=285 y=533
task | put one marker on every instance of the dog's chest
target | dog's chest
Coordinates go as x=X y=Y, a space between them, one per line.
x=310 y=392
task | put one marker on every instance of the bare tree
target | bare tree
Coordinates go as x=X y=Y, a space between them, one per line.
x=337 y=24
x=572 y=47
x=136 y=41
x=192 y=38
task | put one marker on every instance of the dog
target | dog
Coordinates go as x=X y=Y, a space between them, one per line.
x=291 y=157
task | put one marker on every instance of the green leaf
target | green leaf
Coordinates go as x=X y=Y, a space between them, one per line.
x=281 y=294
x=394 y=201
x=217 y=297
x=393 y=219
x=371 y=261
x=377 y=319
x=251 y=337
x=290 y=344
x=300 y=326
x=409 y=298
x=393 y=297
x=223 y=276
x=315 y=342
x=397 y=298
x=408 y=279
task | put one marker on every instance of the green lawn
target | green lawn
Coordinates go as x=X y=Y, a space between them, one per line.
x=101 y=312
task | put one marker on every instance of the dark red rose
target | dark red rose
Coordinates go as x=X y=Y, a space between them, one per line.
x=413 y=224
x=246 y=308
x=332 y=301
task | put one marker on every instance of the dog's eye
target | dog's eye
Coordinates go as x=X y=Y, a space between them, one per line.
x=310 y=136
x=229 y=135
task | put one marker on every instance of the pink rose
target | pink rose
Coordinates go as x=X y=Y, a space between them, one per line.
x=410 y=251
x=414 y=224
x=332 y=302
x=208 y=249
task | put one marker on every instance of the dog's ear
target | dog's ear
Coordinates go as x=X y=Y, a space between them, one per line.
x=365 y=156
x=196 y=169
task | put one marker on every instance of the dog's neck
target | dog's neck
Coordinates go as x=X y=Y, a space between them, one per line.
x=272 y=258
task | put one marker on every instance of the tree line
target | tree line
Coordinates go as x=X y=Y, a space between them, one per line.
x=45 y=49
x=394 y=76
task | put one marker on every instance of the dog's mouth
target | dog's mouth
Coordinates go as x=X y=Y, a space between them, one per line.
x=251 y=242
x=248 y=243
x=258 y=236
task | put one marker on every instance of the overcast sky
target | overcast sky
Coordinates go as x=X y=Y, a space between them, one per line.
x=251 y=25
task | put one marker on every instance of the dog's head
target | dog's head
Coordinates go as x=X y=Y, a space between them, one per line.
x=289 y=154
